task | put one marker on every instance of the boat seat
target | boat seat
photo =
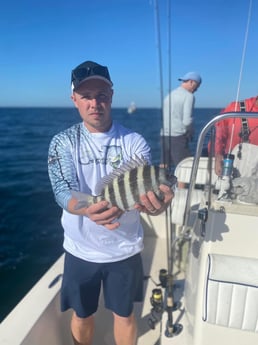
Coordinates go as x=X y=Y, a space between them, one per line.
x=184 y=168
x=183 y=174
x=231 y=292
x=246 y=166
x=179 y=203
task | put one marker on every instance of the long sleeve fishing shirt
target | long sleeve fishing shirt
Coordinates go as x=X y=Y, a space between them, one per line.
x=177 y=112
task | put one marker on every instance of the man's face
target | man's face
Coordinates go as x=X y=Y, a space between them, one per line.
x=193 y=86
x=93 y=100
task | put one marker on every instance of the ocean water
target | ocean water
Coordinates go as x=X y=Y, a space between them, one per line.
x=30 y=232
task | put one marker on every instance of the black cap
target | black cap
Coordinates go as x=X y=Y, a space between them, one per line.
x=89 y=70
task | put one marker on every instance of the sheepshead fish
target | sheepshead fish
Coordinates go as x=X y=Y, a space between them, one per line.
x=123 y=187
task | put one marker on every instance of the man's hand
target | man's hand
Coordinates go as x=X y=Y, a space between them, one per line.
x=150 y=204
x=189 y=132
x=100 y=213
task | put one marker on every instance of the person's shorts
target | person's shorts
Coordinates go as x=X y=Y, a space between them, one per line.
x=174 y=149
x=122 y=285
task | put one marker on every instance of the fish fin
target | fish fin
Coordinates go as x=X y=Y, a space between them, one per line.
x=84 y=200
x=160 y=195
x=133 y=163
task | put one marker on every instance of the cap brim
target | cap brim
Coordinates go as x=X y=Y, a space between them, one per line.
x=91 y=78
x=197 y=81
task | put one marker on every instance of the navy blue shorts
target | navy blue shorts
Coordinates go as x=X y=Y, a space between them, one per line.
x=122 y=285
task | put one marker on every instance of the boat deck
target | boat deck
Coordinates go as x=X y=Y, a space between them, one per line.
x=45 y=324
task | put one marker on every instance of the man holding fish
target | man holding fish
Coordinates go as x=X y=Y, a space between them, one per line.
x=102 y=178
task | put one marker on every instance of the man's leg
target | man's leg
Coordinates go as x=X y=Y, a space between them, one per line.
x=82 y=329
x=125 y=330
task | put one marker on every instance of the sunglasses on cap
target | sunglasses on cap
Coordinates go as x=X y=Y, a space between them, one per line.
x=81 y=73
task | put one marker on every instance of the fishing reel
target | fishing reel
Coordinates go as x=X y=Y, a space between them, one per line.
x=163 y=275
x=157 y=307
x=160 y=304
x=156 y=300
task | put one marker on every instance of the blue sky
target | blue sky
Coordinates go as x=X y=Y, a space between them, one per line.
x=41 y=41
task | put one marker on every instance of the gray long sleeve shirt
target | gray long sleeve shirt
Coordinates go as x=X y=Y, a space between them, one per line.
x=177 y=112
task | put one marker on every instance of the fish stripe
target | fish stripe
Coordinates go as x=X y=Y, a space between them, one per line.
x=157 y=173
x=134 y=184
x=110 y=196
x=156 y=181
x=117 y=191
x=155 y=176
x=122 y=191
x=147 y=177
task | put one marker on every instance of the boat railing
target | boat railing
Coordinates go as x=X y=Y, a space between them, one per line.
x=198 y=153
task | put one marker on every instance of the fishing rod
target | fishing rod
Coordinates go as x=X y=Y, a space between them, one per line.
x=165 y=276
x=157 y=22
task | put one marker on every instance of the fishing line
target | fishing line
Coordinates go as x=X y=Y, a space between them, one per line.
x=169 y=70
x=158 y=40
x=160 y=69
x=169 y=305
x=244 y=51
x=170 y=232
x=241 y=68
